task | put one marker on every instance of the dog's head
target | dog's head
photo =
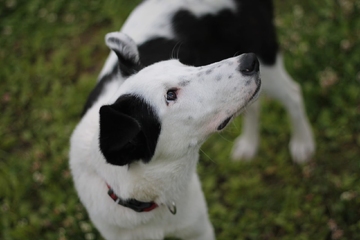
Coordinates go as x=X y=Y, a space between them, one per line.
x=169 y=108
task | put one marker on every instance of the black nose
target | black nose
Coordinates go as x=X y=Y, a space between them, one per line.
x=249 y=64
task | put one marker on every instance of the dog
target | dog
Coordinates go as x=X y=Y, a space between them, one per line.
x=142 y=145
x=170 y=81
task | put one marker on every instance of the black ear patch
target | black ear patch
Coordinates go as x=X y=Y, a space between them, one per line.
x=129 y=130
x=126 y=51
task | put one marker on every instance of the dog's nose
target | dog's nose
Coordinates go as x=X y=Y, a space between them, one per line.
x=249 y=64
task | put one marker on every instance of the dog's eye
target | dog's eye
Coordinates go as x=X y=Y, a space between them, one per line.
x=171 y=95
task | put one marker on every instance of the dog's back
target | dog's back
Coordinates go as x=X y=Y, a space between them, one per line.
x=200 y=39
x=201 y=32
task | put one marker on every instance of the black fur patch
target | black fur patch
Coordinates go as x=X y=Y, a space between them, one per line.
x=214 y=37
x=160 y=49
x=129 y=130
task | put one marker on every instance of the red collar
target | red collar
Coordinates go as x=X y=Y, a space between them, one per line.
x=134 y=204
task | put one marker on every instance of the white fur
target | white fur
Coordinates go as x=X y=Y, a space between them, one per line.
x=206 y=97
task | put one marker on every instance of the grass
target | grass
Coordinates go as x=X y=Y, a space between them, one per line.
x=51 y=53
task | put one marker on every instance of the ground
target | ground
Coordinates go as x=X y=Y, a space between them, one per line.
x=51 y=53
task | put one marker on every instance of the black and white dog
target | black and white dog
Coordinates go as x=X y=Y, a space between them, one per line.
x=133 y=155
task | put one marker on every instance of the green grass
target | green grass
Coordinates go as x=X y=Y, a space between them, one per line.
x=51 y=53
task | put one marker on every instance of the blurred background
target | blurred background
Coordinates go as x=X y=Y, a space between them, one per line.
x=50 y=55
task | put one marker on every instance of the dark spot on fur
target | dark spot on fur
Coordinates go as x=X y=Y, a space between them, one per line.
x=184 y=83
x=208 y=71
x=218 y=78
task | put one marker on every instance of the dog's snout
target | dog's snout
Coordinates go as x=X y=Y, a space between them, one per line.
x=249 y=64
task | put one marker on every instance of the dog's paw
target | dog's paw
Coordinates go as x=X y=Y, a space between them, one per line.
x=301 y=151
x=244 y=148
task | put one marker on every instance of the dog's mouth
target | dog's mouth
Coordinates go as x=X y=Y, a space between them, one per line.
x=256 y=93
x=254 y=96
x=224 y=123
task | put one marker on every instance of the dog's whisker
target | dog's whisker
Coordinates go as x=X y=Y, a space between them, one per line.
x=236 y=54
x=172 y=51
x=235 y=126
x=173 y=55
x=228 y=140
x=178 y=51
x=207 y=155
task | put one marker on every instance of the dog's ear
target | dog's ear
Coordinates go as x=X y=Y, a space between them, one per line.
x=129 y=130
x=127 y=52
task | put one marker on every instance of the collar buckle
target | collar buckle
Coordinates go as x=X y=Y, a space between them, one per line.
x=133 y=204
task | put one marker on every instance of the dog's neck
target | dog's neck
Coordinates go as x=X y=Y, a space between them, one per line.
x=161 y=180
